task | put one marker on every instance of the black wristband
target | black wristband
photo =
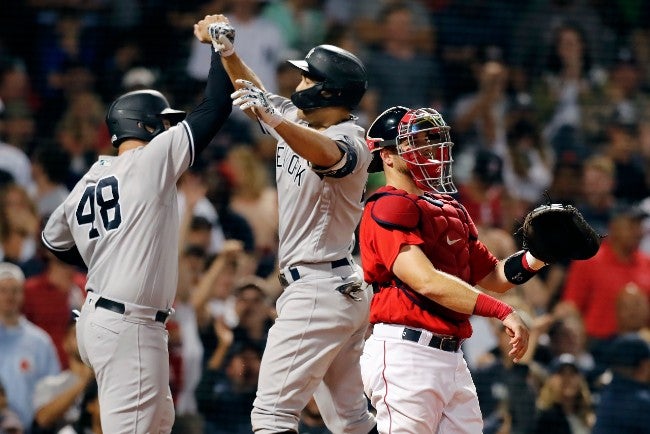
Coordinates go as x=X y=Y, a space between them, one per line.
x=516 y=268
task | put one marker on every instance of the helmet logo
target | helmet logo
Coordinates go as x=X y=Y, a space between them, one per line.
x=113 y=138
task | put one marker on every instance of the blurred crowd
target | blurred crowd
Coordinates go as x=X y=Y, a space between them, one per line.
x=548 y=101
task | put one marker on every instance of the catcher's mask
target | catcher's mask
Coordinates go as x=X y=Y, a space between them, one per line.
x=341 y=79
x=130 y=114
x=425 y=145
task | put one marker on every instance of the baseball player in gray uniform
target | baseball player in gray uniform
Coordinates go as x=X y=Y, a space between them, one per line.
x=121 y=220
x=313 y=349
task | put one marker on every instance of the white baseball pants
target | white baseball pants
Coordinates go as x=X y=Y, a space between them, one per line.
x=129 y=355
x=417 y=389
x=313 y=349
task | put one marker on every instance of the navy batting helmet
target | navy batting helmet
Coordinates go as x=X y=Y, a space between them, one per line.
x=340 y=75
x=130 y=114
x=382 y=133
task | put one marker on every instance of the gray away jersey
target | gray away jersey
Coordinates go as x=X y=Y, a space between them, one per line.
x=318 y=214
x=123 y=217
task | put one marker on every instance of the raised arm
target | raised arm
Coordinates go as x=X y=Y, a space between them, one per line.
x=252 y=97
x=216 y=30
x=213 y=111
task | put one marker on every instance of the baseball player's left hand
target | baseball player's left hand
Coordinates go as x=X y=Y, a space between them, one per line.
x=216 y=29
x=518 y=332
x=250 y=96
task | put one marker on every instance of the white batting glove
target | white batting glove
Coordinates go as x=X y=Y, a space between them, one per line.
x=223 y=38
x=252 y=97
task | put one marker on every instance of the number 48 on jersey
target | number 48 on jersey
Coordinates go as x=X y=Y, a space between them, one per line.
x=105 y=197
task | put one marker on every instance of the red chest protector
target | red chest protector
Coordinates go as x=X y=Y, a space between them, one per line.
x=443 y=224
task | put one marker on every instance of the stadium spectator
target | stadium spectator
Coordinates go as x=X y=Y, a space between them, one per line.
x=531 y=40
x=19 y=127
x=622 y=92
x=50 y=296
x=88 y=422
x=227 y=388
x=564 y=405
x=259 y=43
x=188 y=419
x=13 y=160
x=624 y=405
x=633 y=311
x=19 y=225
x=50 y=170
x=480 y=116
x=9 y=421
x=505 y=389
x=205 y=229
x=397 y=66
x=302 y=23
x=57 y=398
x=592 y=286
x=566 y=85
x=254 y=313
x=528 y=165
x=367 y=13
x=623 y=147
x=81 y=131
x=597 y=198
x=255 y=198
x=482 y=194
x=28 y=353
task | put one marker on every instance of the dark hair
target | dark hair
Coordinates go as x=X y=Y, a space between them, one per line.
x=54 y=161
x=200 y=224
x=194 y=250
x=554 y=63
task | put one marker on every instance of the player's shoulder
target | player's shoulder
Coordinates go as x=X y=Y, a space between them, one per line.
x=393 y=208
x=350 y=134
x=349 y=128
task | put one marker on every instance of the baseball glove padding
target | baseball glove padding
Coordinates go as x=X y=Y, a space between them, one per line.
x=558 y=232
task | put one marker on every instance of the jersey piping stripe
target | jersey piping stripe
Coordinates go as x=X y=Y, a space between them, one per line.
x=191 y=137
x=50 y=246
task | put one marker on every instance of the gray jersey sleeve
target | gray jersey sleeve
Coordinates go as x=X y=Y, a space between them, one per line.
x=57 y=235
x=348 y=135
x=167 y=156
x=353 y=147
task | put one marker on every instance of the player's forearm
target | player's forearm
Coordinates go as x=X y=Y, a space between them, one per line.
x=310 y=144
x=237 y=69
x=414 y=269
x=516 y=269
x=215 y=108
x=496 y=280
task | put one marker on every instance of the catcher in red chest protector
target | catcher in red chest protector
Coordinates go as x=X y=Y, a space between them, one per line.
x=420 y=251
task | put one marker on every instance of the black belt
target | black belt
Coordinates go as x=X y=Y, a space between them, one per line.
x=117 y=307
x=295 y=275
x=444 y=343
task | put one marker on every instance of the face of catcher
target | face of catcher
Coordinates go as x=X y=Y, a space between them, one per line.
x=425 y=146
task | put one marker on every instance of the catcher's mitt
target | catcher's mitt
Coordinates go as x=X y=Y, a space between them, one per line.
x=557 y=232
